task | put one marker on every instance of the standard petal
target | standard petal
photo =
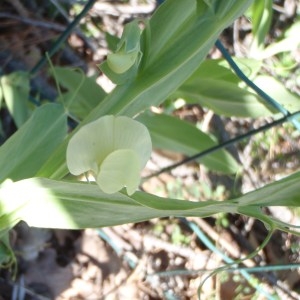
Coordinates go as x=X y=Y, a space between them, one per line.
x=131 y=134
x=90 y=145
x=120 y=168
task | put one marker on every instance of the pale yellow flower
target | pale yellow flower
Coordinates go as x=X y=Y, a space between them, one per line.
x=114 y=148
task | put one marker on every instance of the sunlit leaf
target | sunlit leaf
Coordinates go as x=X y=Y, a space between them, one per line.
x=57 y=204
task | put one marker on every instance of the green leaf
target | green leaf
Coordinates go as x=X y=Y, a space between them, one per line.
x=284 y=192
x=250 y=67
x=119 y=78
x=26 y=150
x=262 y=13
x=218 y=69
x=279 y=92
x=223 y=98
x=112 y=41
x=173 y=134
x=83 y=95
x=15 y=89
x=56 y=204
x=215 y=86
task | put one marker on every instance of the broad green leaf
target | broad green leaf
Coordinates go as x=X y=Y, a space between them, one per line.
x=173 y=134
x=15 y=89
x=26 y=150
x=262 y=12
x=176 y=29
x=216 y=69
x=48 y=203
x=220 y=69
x=223 y=98
x=278 y=92
x=56 y=204
x=83 y=95
x=284 y=192
x=215 y=86
x=250 y=67
x=121 y=78
x=166 y=62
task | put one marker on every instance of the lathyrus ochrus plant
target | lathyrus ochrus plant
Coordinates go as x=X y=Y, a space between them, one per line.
x=173 y=44
x=147 y=66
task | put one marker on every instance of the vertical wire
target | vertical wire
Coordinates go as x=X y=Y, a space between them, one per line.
x=251 y=84
x=62 y=38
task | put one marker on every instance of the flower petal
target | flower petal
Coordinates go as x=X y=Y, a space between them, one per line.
x=131 y=134
x=90 y=145
x=120 y=168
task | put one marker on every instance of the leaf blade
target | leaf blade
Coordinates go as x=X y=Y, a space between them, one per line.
x=26 y=150
x=176 y=135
